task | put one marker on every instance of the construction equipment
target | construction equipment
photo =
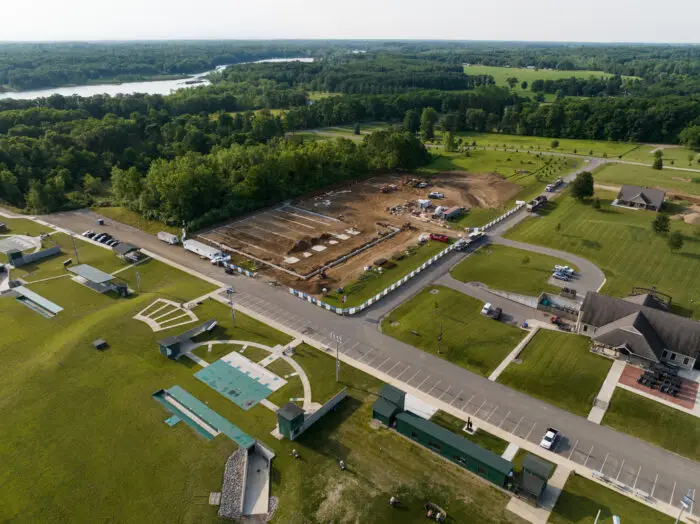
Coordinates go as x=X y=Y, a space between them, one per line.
x=388 y=188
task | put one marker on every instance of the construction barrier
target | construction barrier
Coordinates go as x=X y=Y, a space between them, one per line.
x=401 y=281
x=240 y=270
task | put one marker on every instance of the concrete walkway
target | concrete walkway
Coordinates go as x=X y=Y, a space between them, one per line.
x=695 y=411
x=513 y=354
x=600 y=406
x=511 y=450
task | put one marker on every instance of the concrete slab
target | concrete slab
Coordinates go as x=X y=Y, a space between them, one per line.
x=419 y=407
x=257 y=489
x=511 y=450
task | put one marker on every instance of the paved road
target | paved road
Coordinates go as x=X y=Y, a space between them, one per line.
x=636 y=463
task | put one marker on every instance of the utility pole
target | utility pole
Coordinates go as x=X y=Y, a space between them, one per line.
x=75 y=248
x=229 y=292
x=338 y=339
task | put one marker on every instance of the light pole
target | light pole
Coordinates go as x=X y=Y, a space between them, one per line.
x=338 y=339
x=686 y=502
x=229 y=292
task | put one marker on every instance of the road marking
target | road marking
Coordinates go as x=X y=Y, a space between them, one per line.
x=504 y=419
x=380 y=365
x=404 y=371
x=587 y=457
x=573 y=449
x=448 y=388
x=366 y=355
x=531 y=430
x=637 y=477
x=482 y=405
x=434 y=386
x=426 y=378
x=414 y=376
x=692 y=501
x=670 y=501
x=388 y=372
x=458 y=394
x=603 y=466
x=516 y=426
x=654 y=486
x=491 y=415
x=621 y=466
x=470 y=400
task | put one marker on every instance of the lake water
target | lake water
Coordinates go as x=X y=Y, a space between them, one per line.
x=155 y=87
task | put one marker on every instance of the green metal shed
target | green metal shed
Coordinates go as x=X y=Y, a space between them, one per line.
x=534 y=476
x=455 y=448
x=384 y=411
x=393 y=395
x=290 y=419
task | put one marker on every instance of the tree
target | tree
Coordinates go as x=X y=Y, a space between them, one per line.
x=596 y=203
x=91 y=185
x=582 y=186
x=427 y=123
x=411 y=121
x=449 y=141
x=661 y=224
x=524 y=85
x=690 y=137
x=356 y=128
x=675 y=241
x=511 y=81
x=658 y=163
x=525 y=260
x=555 y=144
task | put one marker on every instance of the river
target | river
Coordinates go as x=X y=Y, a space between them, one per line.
x=154 y=87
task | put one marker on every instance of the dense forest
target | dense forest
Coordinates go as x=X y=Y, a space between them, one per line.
x=205 y=153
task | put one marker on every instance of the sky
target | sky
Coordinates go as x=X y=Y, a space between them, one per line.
x=673 y=21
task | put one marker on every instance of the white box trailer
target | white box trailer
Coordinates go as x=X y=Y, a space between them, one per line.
x=203 y=250
x=168 y=237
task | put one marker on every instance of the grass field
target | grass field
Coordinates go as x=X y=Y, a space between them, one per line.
x=581 y=499
x=133 y=219
x=320 y=95
x=526 y=170
x=598 y=148
x=631 y=413
x=500 y=74
x=559 y=368
x=508 y=269
x=679 y=156
x=622 y=244
x=372 y=283
x=470 y=339
x=480 y=437
x=667 y=179
x=23 y=226
x=83 y=437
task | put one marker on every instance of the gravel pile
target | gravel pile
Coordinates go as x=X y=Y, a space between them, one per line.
x=271 y=508
x=232 y=491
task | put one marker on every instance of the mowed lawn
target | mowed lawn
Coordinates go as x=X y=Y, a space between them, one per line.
x=672 y=429
x=581 y=499
x=23 y=226
x=480 y=437
x=133 y=219
x=622 y=244
x=598 y=148
x=668 y=179
x=508 y=269
x=82 y=435
x=680 y=156
x=469 y=339
x=559 y=369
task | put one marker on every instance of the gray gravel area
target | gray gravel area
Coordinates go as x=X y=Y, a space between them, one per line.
x=232 y=490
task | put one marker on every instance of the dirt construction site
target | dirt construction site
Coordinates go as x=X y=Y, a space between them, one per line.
x=344 y=229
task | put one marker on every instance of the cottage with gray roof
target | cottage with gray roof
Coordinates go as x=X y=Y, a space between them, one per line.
x=640 y=197
x=639 y=328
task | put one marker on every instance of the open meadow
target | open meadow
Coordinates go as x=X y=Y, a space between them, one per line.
x=670 y=180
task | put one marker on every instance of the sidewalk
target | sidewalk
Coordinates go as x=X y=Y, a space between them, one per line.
x=600 y=405
x=512 y=355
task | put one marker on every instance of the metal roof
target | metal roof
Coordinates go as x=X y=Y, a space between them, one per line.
x=384 y=407
x=537 y=465
x=123 y=248
x=91 y=274
x=645 y=195
x=392 y=394
x=467 y=447
x=290 y=411
x=188 y=335
x=38 y=299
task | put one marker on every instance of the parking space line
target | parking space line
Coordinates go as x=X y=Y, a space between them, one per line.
x=384 y=362
x=388 y=371
x=573 y=449
x=588 y=456
x=491 y=415
x=692 y=501
x=516 y=426
x=366 y=355
x=603 y=466
x=654 y=486
x=426 y=378
x=482 y=405
x=434 y=386
x=621 y=466
x=404 y=371
x=443 y=394
x=458 y=394
x=414 y=376
x=504 y=419
x=470 y=399
x=531 y=430
x=637 y=477
x=670 y=501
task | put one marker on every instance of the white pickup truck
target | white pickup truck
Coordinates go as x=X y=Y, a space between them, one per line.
x=549 y=441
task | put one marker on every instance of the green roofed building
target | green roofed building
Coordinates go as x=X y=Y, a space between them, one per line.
x=290 y=419
x=393 y=395
x=171 y=347
x=534 y=476
x=455 y=448
x=384 y=411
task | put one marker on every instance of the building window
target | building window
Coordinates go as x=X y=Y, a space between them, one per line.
x=433 y=446
x=585 y=328
x=414 y=434
x=673 y=356
x=664 y=354
x=686 y=361
x=459 y=460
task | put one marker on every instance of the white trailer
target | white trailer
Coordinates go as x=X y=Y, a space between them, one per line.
x=203 y=250
x=168 y=238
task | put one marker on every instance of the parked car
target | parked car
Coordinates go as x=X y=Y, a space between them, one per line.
x=89 y=233
x=549 y=441
x=98 y=237
x=439 y=238
x=486 y=309
x=561 y=276
x=105 y=239
x=565 y=269
x=436 y=194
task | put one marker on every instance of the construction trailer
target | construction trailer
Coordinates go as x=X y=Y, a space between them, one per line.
x=168 y=238
x=454 y=213
x=203 y=250
x=536 y=203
